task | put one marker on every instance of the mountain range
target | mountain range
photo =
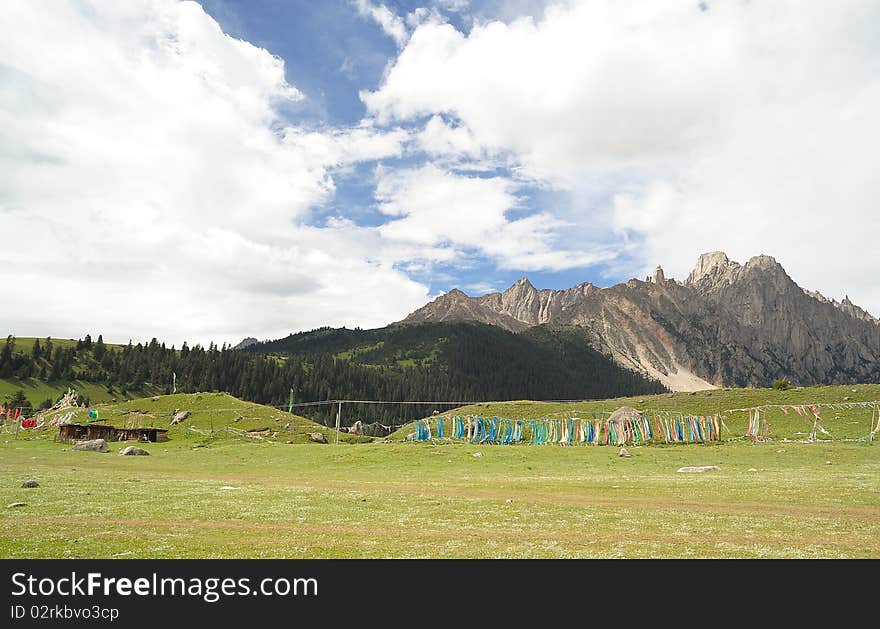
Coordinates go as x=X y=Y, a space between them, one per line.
x=726 y=324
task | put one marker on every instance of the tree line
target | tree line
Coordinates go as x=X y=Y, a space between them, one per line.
x=468 y=363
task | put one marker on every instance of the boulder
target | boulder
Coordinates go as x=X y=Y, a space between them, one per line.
x=93 y=445
x=700 y=468
x=29 y=484
x=317 y=437
x=133 y=451
x=179 y=416
x=624 y=412
x=624 y=453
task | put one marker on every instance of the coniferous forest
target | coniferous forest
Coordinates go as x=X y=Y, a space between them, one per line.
x=429 y=362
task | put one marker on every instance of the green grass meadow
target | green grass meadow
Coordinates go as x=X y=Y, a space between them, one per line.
x=225 y=496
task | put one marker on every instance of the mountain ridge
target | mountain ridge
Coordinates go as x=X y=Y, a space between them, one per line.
x=726 y=324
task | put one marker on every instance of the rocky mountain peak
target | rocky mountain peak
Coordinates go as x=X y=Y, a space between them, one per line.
x=659 y=277
x=714 y=266
x=247 y=342
x=763 y=262
x=520 y=286
x=855 y=311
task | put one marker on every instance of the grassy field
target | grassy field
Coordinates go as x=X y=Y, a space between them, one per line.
x=26 y=343
x=228 y=497
x=841 y=423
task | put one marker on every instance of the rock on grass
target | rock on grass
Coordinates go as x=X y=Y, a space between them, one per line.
x=94 y=445
x=133 y=451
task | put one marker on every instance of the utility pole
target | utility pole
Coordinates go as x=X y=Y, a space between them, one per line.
x=290 y=406
x=338 y=419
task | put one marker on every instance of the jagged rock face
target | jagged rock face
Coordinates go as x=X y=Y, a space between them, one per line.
x=247 y=342
x=727 y=325
x=525 y=303
x=456 y=306
x=713 y=268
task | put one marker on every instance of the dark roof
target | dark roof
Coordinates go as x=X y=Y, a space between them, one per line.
x=108 y=426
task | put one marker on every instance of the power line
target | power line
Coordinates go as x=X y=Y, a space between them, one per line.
x=435 y=403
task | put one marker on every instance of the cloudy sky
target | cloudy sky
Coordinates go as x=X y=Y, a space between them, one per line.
x=254 y=167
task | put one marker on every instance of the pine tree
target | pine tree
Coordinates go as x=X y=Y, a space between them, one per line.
x=19 y=400
x=99 y=349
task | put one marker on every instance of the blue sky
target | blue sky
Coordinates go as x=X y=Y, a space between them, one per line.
x=209 y=171
x=330 y=51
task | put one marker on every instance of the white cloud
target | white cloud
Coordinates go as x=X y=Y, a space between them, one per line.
x=440 y=139
x=392 y=24
x=457 y=214
x=438 y=206
x=154 y=190
x=482 y=288
x=747 y=127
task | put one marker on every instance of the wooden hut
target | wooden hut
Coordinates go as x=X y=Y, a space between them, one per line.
x=79 y=432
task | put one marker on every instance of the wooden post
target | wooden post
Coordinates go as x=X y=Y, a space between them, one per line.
x=874 y=411
x=338 y=419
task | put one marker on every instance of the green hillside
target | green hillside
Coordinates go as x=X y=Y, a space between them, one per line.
x=211 y=416
x=37 y=391
x=45 y=373
x=467 y=361
x=842 y=423
x=26 y=343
